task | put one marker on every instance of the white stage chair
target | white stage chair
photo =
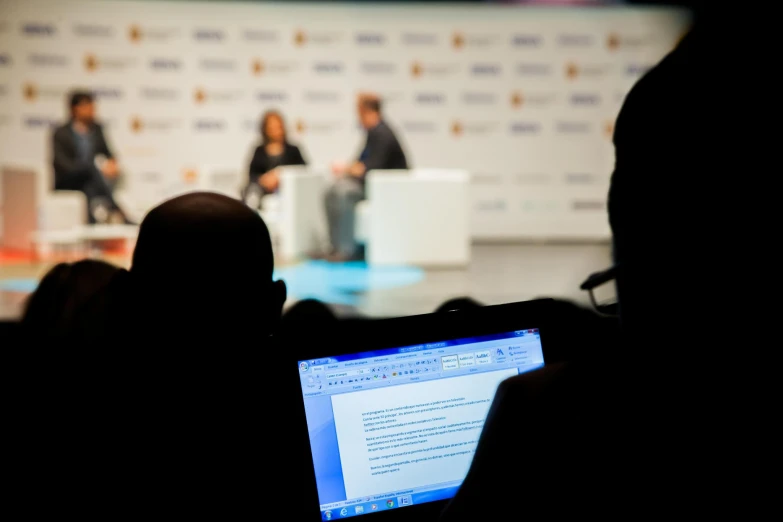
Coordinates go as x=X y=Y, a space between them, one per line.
x=295 y=215
x=418 y=217
x=34 y=216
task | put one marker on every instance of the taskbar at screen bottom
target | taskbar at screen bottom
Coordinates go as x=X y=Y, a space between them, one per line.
x=363 y=508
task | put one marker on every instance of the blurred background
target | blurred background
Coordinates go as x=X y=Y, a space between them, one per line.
x=519 y=95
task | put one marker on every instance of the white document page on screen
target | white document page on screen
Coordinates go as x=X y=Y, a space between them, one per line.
x=412 y=435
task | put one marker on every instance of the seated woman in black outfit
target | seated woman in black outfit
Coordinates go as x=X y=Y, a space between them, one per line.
x=274 y=152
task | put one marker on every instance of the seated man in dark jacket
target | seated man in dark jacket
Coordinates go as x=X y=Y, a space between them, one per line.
x=381 y=151
x=84 y=162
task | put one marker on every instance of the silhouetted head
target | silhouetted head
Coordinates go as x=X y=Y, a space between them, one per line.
x=273 y=128
x=62 y=305
x=82 y=105
x=369 y=109
x=203 y=264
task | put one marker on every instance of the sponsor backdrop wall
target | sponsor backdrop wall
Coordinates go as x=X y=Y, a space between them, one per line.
x=524 y=98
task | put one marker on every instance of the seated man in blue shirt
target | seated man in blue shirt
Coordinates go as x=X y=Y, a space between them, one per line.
x=84 y=162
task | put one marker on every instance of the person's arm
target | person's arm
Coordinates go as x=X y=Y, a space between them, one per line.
x=378 y=148
x=257 y=165
x=101 y=145
x=70 y=171
x=296 y=156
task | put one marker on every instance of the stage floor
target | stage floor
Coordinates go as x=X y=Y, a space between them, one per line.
x=498 y=274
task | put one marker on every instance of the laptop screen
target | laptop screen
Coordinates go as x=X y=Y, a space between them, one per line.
x=398 y=427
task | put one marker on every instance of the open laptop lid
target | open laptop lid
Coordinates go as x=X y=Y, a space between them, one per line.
x=393 y=413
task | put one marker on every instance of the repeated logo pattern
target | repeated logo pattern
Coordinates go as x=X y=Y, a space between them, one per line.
x=524 y=103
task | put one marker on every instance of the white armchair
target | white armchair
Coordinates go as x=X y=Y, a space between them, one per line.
x=418 y=217
x=34 y=216
x=295 y=215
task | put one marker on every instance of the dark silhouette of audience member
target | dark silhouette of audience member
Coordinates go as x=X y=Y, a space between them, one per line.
x=63 y=307
x=655 y=426
x=203 y=267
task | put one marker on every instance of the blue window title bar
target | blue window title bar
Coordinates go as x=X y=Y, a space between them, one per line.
x=421 y=347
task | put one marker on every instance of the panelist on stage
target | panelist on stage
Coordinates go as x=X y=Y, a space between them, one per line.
x=382 y=150
x=274 y=152
x=83 y=161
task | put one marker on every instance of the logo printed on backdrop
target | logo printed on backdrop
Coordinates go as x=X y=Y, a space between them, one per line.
x=137 y=34
x=259 y=67
x=209 y=125
x=419 y=126
x=5 y=60
x=609 y=130
x=217 y=64
x=328 y=67
x=317 y=127
x=32 y=92
x=616 y=41
x=585 y=100
x=588 y=205
x=486 y=69
x=534 y=69
x=165 y=64
x=302 y=38
x=575 y=40
x=271 y=96
x=430 y=98
x=573 y=127
x=93 y=63
x=532 y=179
x=189 y=175
x=479 y=98
x=529 y=128
x=636 y=69
x=419 y=39
x=139 y=124
x=159 y=93
x=459 y=128
x=481 y=178
x=378 y=67
x=209 y=35
x=322 y=96
x=107 y=93
x=260 y=35
x=202 y=96
x=376 y=39
x=38 y=122
x=537 y=206
x=491 y=205
x=418 y=69
x=517 y=100
x=47 y=60
x=579 y=178
x=574 y=71
x=461 y=40
x=527 y=40
x=93 y=31
x=34 y=30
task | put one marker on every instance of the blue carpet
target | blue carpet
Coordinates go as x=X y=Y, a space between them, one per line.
x=25 y=285
x=337 y=283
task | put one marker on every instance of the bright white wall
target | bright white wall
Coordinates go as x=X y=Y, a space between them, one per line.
x=479 y=87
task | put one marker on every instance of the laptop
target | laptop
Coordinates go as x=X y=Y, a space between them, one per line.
x=392 y=429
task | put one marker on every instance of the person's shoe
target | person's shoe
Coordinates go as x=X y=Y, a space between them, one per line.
x=319 y=255
x=339 y=258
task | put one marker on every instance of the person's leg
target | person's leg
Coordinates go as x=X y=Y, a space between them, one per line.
x=348 y=192
x=332 y=214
